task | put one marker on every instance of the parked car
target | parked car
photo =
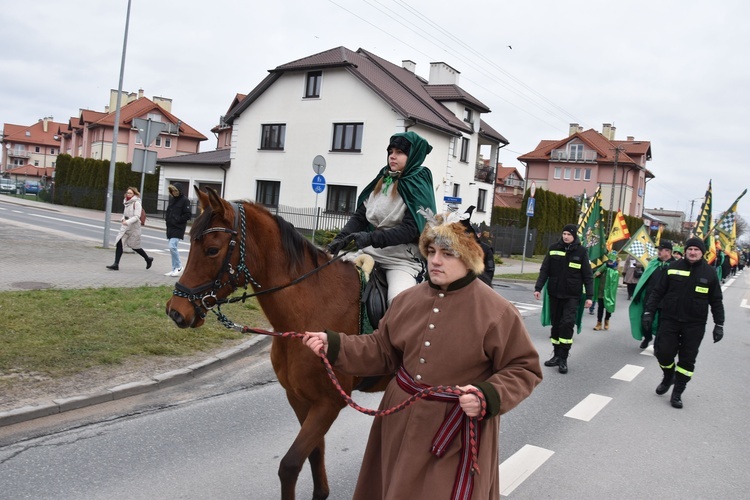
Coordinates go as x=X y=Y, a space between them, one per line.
x=31 y=187
x=8 y=186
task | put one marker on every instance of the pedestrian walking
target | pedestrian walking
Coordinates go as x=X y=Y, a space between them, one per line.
x=177 y=216
x=682 y=297
x=642 y=291
x=130 y=229
x=439 y=333
x=386 y=224
x=606 y=278
x=631 y=274
x=566 y=272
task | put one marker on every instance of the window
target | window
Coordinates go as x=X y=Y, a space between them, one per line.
x=36 y=163
x=456 y=190
x=347 y=137
x=37 y=149
x=577 y=174
x=312 y=85
x=272 y=136
x=576 y=152
x=468 y=115
x=267 y=193
x=586 y=174
x=138 y=139
x=464 y=149
x=557 y=172
x=154 y=117
x=341 y=199
x=157 y=142
x=168 y=142
x=52 y=151
x=481 y=200
x=566 y=174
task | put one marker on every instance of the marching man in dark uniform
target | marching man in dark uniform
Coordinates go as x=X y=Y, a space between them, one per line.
x=566 y=270
x=683 y=295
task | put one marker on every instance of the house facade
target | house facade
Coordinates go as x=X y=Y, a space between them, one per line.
x=509 y=187
x=91 y=133
x=35 y=146
x=586 y=159
x=344 y=106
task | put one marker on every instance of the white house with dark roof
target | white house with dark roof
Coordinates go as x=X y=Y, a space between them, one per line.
x=344 y=106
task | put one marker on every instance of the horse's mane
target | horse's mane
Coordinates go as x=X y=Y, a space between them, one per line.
x=294 y=244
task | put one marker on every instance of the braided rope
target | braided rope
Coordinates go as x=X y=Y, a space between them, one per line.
x=421 y=394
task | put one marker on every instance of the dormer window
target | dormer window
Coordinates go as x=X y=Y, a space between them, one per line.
x=468 y=115
x=576 y=152
x=312 y=85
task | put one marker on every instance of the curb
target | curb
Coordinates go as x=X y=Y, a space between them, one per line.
x=154 y=383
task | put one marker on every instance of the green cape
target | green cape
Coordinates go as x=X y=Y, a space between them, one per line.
x=414 y=183
x=546 y=316
x=638 y=302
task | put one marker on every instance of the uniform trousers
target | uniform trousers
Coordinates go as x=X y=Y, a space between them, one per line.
x=563 y=316
x=678 y=339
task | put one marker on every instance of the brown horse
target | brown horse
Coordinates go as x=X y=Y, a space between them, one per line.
x=239 y=244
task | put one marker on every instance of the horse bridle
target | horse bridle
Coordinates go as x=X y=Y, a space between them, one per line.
x=203 y=297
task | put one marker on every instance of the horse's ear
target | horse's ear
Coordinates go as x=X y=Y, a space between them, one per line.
x=220 y=207
x=202 y=198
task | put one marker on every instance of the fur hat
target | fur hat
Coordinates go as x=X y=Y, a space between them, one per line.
x=696 y=242
x=399 y=142
x=448 y=231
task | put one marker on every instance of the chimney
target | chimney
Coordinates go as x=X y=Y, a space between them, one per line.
x=409 y=65
x=140 y=93
x=573 y=129
x=631 y=138
x=612 y=133
x=45 y=123
x=607 y=131
x=442 y=74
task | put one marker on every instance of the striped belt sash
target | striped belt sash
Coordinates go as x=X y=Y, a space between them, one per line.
x=455 y=420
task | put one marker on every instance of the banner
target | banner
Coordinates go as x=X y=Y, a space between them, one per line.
x=618 y=232
x=641 y=247
x=591 y=228
x=703 y=226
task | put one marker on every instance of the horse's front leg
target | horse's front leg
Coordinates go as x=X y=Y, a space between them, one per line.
x=315 y=420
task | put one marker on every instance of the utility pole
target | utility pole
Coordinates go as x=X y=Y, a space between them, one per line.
x=612 y=194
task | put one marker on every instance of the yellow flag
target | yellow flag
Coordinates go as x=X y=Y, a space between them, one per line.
x=618 y=232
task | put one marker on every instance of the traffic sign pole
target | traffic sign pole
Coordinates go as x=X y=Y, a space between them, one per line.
x=530 y=203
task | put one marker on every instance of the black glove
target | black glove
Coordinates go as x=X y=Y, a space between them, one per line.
x=362 y=239
x=646 y=321
x=337 y=245
x=718 y=333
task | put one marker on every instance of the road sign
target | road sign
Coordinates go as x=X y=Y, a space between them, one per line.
x=318 y=183
x=319 y=164
x=144 y=160
x=530 y=207
x=148 y=130
x=451 y=199
x=532 y=189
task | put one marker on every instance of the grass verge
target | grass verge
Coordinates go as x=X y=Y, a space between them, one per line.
x=64 y=332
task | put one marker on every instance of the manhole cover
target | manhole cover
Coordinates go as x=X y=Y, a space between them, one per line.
x=31 y=285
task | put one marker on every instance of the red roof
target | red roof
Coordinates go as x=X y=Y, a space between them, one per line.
x=34 y=134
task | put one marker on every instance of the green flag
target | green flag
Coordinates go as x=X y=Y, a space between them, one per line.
x=703 y=225
x=593 y=232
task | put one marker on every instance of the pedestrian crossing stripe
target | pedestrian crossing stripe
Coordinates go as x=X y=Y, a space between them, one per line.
x=526 y=308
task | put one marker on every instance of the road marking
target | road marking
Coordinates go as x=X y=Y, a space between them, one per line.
x=526 y=308
x=628 y=373
x=589 y=407
x=649 y=351
x=519 y=466
x=744 y=304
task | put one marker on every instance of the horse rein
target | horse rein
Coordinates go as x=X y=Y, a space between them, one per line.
x=204 y=296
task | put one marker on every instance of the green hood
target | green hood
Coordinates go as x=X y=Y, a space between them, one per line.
x=415 y=182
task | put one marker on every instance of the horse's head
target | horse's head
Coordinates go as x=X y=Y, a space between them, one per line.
x=213 y=264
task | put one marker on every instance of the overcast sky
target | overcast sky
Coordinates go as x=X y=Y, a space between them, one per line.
x=674 y=73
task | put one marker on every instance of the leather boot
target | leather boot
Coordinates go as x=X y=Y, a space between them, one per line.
x=555 y=359
x=606 y=324
x=562 y=365
x=114 y=267
x=666 y=382
x=676 y=399
x=598 y=326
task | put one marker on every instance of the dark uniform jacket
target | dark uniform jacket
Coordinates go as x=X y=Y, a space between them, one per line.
x=568 y=270
x=685 y=291
x=178 y=214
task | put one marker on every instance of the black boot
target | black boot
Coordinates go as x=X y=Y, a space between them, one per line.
x=666 y=382
x=555 y=359
x=114 y=267
x=676 y=399
x=562 y=365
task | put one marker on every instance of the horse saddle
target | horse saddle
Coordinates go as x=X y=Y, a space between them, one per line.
x=375 y=296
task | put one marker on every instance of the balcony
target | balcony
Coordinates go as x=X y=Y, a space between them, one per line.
x=573 y=156
x=19 y=153
x=484 y=173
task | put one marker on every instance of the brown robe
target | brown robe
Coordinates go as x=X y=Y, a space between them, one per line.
x=466 y=335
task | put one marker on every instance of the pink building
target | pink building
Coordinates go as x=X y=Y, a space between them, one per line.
x=90 y=134
x=586 y=159
x=34 y=145
x=509 y=187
